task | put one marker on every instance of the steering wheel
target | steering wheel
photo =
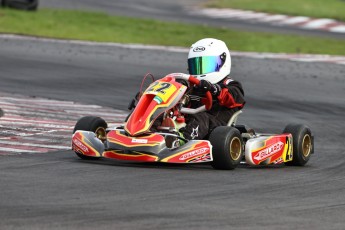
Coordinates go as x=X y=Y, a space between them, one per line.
x=207 y=100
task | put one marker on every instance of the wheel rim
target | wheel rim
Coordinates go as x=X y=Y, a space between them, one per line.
x=235 y=148
x=101 y=134
x=306 y=145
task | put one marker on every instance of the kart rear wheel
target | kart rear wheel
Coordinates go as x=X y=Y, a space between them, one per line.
x=227 y=146
x=302 y=144
x=93 y=124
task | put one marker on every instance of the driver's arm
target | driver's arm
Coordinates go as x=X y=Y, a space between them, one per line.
x=231 y=94
x=228 y=92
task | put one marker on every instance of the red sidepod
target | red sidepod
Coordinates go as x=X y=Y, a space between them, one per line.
x=141 y=149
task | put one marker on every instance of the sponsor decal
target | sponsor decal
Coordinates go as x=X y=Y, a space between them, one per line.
x=141 y=141
x=194 y=153
x=278 y=161
x=80 y=145
x=195 y=132
x=158 y=99
x=269 y=151
x=202 y=158
x=199 y=49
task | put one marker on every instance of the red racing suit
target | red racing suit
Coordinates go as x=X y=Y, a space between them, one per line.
x=229 y=100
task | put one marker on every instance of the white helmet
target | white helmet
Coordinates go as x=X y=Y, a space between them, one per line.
x=209 y=59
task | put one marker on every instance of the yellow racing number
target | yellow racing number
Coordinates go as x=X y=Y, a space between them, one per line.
x=164 y=90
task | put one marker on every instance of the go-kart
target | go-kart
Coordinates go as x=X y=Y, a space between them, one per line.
x=167 y=99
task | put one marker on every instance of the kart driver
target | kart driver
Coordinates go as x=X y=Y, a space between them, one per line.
x=209 y=61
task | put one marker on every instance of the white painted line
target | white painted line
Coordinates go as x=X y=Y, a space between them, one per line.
x=213 y=11
x=153 y=47
x=115 y=124
x=253 y=16
x=90 y=43
x=54 y=104
x=55 y=115
x=95 y=113
x=68 y=135
x=273 y=18
x=244 y=13
x=38 y=138
x=19 y=123
x=230 y=13
x=34 y=145
x=35 y=135
x=318 y=23
x=37 y=100
x=227 y=15
x=17 y=150
x=222 y=14
x=304 y=59
x=19 y=109
x=39 y=121
x=338 y=29
x=295 y=20
x=17 y=130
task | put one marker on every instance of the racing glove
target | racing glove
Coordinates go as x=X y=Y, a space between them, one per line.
x=205 y=86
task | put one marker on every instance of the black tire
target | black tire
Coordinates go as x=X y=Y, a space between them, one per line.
x=21 y=4
x=227 y=147
x=302 y=142
x=93 y=124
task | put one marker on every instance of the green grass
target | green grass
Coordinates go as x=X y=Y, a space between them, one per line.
x=313 y=8
x=104 y=28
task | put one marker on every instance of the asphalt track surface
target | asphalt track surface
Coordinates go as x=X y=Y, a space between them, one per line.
x=179 y=11
x=59 y=191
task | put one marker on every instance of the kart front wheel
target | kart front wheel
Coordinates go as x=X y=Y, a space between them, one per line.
x=227 y=148
x=92 y=124
x=302 y=141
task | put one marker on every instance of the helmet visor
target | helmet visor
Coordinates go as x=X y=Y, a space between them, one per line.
x=204 y=65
